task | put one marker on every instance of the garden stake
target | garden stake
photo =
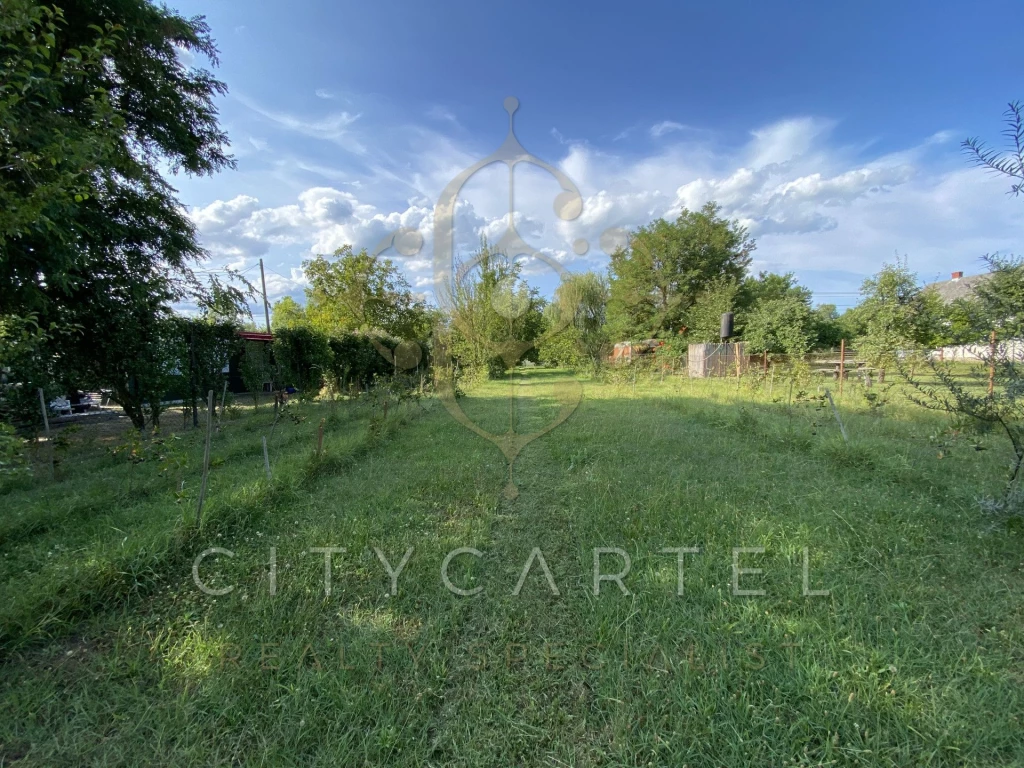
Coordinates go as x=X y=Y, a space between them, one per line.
x=206 y=459
x=835 y=412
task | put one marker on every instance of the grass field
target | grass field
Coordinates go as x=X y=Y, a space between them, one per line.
x=113 y=656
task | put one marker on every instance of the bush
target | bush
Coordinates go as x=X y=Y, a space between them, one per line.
x=304 y=358
x=12 y=451
x=356 y=359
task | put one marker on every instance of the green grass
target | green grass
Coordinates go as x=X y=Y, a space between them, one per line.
x=112 y=656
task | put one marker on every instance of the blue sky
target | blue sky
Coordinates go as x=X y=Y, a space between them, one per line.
x=831 y=130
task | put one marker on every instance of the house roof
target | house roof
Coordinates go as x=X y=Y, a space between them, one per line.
x=957 y=288
x=256 y=336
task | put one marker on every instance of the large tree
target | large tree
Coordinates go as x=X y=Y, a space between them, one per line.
x=83 y=143
x=494 y=317
x=355 y=291
x=576 y=320
x=897 y=315
x=95 y=103
x=667 y=265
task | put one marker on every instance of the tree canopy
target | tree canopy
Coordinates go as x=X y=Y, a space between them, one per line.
x=666 y=266
x=359 y=292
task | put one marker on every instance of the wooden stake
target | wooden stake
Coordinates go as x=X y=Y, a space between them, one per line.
x=320 y=438
x=266 y=459
x=771 y=383
x=46 y=427
x=991 y=366
x=766 y=362
x=46 y=418
x=206 y=459
x=842 y=364
x=223 y=401
x=835 y=412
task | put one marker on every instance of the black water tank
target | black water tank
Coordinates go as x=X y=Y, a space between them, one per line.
x=726 y=325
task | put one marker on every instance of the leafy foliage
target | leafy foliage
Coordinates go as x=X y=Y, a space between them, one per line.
x=781 y=326
x=359 y=292
x=658 y=278
x=95 y=101
x=897 y=314
x=356 y=359
x=1009 y=163
x=288 y=313
x=579 y=311
x=495 y=318
x=1003 y=408
x=304 y=358
x=255 y=368
x=704 y=316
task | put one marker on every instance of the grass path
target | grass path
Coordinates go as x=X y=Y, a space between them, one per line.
x=915 y=658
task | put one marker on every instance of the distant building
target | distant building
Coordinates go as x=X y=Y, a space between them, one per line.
x=957 y=287
x=961 y=287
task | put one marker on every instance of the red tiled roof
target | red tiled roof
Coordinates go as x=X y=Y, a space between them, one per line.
x=256 y=336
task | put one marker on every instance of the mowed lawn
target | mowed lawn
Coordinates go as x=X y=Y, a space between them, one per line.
x=113 y=656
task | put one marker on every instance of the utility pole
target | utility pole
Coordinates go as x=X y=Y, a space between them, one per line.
x=266 y=306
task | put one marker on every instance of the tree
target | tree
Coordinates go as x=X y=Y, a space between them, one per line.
x=579 y=309
x=782 y=325
x=1000 y=298
x=359 y=292
x=704 y=317
x=494 y=318
x=897 y=315
x=94 y=102
x=287 y=313
x=666 y=266
x=768 y=286
x=26 y=366
x=827 y=327
x=117 y=96
x=48 y=154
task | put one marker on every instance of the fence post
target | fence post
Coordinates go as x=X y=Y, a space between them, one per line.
x=842 y=364
x=206 y=459
x=266 y=459
x=991 y=365
x=320 y=438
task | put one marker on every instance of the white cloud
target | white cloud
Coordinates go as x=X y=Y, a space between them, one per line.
x=334 y=127
x=786 y=140
x=665 y=126
x=829 y=212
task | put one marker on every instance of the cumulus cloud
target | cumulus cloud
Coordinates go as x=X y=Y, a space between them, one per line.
x=323 y=219
x=831 y=213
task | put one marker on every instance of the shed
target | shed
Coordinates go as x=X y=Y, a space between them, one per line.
x=716 y=359
x=234 y=368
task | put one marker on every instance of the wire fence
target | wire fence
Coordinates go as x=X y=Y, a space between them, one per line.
x=95 y=436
